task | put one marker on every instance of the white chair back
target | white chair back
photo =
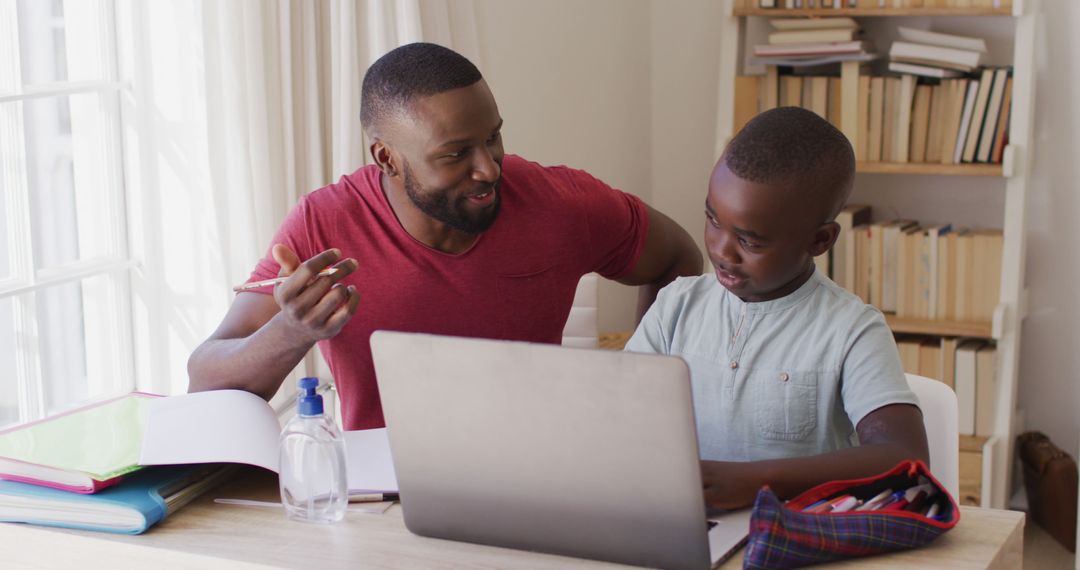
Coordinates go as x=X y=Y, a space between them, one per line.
x=581 y=328
x=940 y=418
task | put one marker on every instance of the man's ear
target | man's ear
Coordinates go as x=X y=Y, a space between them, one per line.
x=824 y=238
x=384 y=158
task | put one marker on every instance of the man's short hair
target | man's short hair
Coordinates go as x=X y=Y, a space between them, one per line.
x=412 y=70
x=791 y=146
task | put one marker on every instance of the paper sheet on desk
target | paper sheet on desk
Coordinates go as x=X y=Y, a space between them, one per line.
x=232 y=426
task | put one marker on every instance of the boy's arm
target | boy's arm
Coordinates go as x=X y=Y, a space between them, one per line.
x=887 y=436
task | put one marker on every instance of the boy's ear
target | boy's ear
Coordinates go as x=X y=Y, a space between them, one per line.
x=824 y=238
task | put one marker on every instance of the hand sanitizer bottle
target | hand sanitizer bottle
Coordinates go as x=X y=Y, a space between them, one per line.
x=312 y=461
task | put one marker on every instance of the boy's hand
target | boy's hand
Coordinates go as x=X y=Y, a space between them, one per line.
x=315 y=307
x=730 y=485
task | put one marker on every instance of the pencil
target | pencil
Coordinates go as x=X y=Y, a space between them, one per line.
x=276 y=280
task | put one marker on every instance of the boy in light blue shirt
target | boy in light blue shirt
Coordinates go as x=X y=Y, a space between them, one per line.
x=795 y=380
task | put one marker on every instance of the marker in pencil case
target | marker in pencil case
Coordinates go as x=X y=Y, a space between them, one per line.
x=276 y=280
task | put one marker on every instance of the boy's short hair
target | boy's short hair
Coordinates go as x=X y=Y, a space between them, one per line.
x=791 y=146
x=412 y=70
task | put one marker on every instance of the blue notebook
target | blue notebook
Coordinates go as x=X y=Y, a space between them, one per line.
x=131 y=507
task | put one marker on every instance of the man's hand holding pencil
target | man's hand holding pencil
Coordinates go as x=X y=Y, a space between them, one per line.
x=314 y=304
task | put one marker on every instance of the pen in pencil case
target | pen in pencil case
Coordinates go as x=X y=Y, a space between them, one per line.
x=276 y=280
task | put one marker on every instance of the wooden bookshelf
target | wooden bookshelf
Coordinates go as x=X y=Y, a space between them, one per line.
x=869 y=12
x=939 y=328
x=750 y=8
x=989 y=461
x=930 y=168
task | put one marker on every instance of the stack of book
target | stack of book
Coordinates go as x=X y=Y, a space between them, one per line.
x=81 y=470
x=805 y=42
x=918 y=271
x=932 y=54
x=968 y=366
x=817 y=4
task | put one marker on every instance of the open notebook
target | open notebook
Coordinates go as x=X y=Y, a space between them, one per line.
x=233 y=426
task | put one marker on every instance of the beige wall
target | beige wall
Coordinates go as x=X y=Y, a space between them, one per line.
x=627 y=90
x=614 y=87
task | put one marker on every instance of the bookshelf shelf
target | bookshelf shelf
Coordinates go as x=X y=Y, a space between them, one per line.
x=869 y=12
x=939 y=328
x=926 y=168
x=742 y=88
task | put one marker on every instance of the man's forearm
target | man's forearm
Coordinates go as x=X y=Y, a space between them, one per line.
x=257 y=363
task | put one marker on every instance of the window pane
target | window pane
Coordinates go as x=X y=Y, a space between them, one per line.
x=72 y=174
x=61 y=41
x=85 y=354
x=7 y=240
x=9 y=388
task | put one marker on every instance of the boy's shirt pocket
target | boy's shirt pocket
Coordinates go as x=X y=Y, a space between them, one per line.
x=785 y=402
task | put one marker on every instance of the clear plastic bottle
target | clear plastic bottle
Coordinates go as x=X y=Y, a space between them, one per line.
x=312 y=461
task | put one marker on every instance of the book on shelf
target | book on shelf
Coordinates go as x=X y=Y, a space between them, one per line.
x=876 y=121
x=1002 y=135
x=965 y=121
x=930 y=358
x=862 y=125
x=813 y=36
x=785 y=24
x=806 y=49
x=83 y=450
x=936 y=119
x=923 y=70
x=902 y=127
x=948 y=361
x=978 y=115
x=992 y=116
x=965 y=385
x=936 y=56
x=985 y=389
x=946 y=277
x=890 y=239
x=130 y=507
x=956 y=100
x=927 y=37
x=920 y=123
x=850 y=216
x=908 y=347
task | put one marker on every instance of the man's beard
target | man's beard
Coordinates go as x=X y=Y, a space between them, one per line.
x=436 y=204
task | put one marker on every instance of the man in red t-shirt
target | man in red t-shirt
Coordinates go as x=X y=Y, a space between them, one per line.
x=443 y=234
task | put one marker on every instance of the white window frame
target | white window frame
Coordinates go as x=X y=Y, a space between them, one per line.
x=25 y=282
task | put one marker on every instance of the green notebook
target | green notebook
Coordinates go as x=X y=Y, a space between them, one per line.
x=83 y=450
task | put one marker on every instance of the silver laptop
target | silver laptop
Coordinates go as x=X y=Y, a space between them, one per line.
x=580 y=452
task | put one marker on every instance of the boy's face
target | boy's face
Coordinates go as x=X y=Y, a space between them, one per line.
x=762 y=239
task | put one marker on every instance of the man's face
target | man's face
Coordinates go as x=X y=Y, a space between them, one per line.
x=758 y=236
x=451 y=149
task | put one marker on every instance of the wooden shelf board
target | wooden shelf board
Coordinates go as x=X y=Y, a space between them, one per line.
x=972 y=443
x=928 y=168
x=869 y=12
x=939 y=328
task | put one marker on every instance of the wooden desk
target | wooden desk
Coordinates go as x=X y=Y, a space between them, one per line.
x=209 y=535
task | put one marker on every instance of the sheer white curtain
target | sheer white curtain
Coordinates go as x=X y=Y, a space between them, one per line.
x=261 y=101
x=283 y=98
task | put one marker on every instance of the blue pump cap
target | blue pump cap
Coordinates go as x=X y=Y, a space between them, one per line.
x=309 y=403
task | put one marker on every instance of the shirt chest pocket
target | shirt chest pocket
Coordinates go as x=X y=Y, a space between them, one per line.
x=785 y=403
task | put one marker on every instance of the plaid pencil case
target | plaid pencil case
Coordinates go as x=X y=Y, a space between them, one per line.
x=903 y=508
